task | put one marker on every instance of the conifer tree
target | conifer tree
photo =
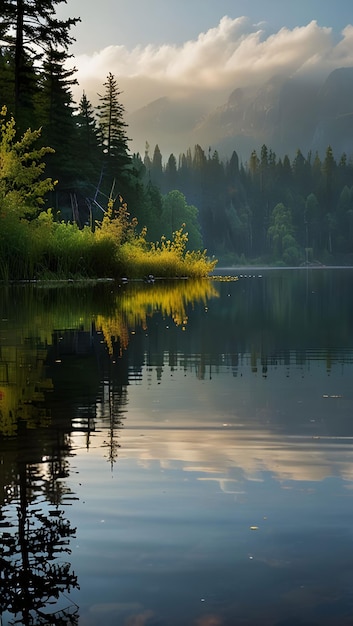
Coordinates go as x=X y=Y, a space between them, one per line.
x=171 y=174
x=89 y=154
x=116 y=172
x=157 y=168
x=112 y=125
x=32 y=30
x=55 y=114
x=147 y=160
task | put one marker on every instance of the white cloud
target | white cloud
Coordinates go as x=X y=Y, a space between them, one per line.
x=234 y=53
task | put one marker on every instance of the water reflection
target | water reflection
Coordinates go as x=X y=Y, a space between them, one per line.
x=225 y=408
x=57 y=377
x=34 y=581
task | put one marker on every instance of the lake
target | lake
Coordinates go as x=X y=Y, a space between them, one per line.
x=178 y=453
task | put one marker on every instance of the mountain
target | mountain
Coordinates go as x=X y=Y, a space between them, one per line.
x=285 y=114
x=335 y=113
x=166 y=122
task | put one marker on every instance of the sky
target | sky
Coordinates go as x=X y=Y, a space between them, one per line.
x=201 y=50
x=158 y=22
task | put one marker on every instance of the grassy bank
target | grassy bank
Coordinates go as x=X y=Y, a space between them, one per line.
x=44 y=249
x=34 y=245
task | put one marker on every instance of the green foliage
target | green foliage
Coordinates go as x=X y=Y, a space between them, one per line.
x=228 y=206
x=54 y=112
x=22 y=188
x=281 y=233
x=166 y=258
x=44 y=247
x=112 y=124
x=31 y=31
x=15 y=248
x=116 y=225
x=176 y=211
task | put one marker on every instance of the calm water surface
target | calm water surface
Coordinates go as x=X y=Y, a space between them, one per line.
x=178 y=453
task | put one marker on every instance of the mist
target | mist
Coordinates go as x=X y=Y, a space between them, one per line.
x=200 y=75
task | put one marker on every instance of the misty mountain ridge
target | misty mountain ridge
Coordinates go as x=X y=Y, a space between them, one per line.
x=284 y=113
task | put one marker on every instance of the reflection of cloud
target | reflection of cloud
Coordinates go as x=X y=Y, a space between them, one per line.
x=209 y=620
x=229 y=456
x=234 y=53
x=141 y=619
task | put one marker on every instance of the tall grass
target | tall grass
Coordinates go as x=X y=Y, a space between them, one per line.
x=45 y=248
x=36 y=246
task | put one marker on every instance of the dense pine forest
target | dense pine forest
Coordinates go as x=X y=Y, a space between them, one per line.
x=275 y=209
x=269 y=209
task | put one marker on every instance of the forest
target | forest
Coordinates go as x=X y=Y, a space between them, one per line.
x=283 y=210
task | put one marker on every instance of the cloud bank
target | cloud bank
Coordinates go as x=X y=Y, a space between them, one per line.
x=234 y=54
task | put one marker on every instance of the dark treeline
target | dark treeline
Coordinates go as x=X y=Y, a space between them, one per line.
x=268 y=209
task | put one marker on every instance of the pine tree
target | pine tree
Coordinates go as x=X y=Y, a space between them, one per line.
x=112 y=125
x=157 y=168
x=89 y=154
x=31 y=29
x=171 y=174
x=147 y=161
x=55 y=114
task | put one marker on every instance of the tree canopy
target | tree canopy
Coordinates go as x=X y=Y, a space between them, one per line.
x=270 y=208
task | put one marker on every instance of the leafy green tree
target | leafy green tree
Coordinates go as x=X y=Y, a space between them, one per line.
x=151 y=216
x=22 y=186
x=22 y=192
x=280 y=233
x=175 y=212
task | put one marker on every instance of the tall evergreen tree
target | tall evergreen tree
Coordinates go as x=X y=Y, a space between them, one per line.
x=55 y=113
x=32 y=30
x=116 y=167
x=89 y=154
x=112 y=124
x=157 y=168
x=147 y=161
x=171 y=174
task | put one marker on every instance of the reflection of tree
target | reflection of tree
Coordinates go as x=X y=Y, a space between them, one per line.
x=33 y=582
x=113 y=401
x=136 y=304
x=34 y=572
x=22 y=384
